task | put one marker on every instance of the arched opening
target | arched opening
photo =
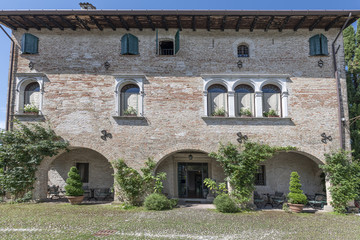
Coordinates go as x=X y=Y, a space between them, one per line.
x=244 y=100
x=95 y=170
x=243 y=50
x=217 y=100
x=32 y=94
x=185 y=171
x=274 y=174
x=271 y=100
x=130 y=100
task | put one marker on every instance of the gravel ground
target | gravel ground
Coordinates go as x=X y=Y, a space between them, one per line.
x=63 y=221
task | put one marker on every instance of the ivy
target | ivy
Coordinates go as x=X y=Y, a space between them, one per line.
x=21 y=152
x=344 y=175
x=241 y=165
x=134 y=187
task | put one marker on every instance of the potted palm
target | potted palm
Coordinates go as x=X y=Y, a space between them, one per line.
x=296 y=198
x=219 y=112
x=73 y=188
x=31 y=109
x=245 y=112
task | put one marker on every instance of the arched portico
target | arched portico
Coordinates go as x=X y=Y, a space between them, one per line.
x=185 y=171
x=274 y=174
x=95 y=170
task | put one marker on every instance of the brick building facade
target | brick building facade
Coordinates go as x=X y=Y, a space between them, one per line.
x=175 y=95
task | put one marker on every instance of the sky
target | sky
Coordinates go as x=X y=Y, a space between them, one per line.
x=151 y=4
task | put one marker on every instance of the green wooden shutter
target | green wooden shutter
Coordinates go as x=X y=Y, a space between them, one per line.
x=315 y=47
x=157 y=42
x=124 y=44
x=133 y=44
x=29 y=43
x=177 y=41
x=324 y=45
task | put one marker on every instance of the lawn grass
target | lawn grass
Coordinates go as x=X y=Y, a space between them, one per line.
x=65 y=221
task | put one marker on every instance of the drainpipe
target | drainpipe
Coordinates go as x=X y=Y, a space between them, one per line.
x=10 y=79
x=338 y=88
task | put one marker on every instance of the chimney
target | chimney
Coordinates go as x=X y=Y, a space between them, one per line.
x=86 y=5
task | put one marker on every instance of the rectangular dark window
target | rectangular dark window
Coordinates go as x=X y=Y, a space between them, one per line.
x=260 y=176
x=83 y=169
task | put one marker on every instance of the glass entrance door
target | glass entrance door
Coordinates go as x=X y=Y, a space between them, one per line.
x=190 y=179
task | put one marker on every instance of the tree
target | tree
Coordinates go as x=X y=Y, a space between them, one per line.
x=21 y=151
x=73 y=183
x=352 y=61
x=296 y=195
x=241 y=166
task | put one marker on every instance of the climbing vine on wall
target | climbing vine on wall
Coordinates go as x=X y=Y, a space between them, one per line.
x=134 y=187
x=21 y=152
x=240 y=164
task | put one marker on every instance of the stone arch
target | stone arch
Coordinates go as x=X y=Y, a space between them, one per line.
x=65 y=159
x=279 y=167
x=186 y=167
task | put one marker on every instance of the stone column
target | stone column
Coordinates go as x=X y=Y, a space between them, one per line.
x=231 y=102
x=284 y=104
x=258 y=104
x=205 y=103
x=328 y=207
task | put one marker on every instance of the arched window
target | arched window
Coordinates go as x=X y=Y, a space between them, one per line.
x=129 y=100
x=32 y=94
x=244 y=101
x=271 y=101
x=217 y=100
x=243 y=51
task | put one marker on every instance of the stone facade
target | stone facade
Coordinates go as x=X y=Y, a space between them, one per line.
x=79 y=99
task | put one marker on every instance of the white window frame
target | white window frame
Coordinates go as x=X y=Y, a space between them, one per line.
x=23 y=80
x=256 y=81
x=123 y=80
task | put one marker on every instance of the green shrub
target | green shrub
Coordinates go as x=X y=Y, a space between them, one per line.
x=296 y=195
x=225 y=204
x=174 y=202
x=158 y=202
x=73 y=183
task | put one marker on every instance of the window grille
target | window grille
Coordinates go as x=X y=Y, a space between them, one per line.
x=243 y=51
x=260 y=176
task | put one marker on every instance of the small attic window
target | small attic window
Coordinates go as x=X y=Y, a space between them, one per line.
x=318 y=45
x=166 y=47
x=29 y=44
x=243 y=51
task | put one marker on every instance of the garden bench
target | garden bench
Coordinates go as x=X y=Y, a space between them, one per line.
x=103 y=193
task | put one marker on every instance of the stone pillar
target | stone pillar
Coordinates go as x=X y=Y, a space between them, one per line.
x=231 y=101
x=284 y=104
x=205 y=103
x=328 y=207
x=258 y=104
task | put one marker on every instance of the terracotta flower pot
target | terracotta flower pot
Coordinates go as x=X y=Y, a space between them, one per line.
x=74 y=200
x=31 y=113
x=296 y=208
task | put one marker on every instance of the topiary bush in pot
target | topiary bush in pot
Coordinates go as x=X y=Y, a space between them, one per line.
x=158 y=202
x=225 y=204
x=296 y=198
x=73 y=188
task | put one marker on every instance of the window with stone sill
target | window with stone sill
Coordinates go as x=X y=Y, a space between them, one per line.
x=243 y=50
x=29 y=92
x=246 y=95
x=129 y=95
x=217 y=100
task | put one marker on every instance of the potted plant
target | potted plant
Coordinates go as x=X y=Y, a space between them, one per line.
x=271 y=113
x=31 y=109
x=130 y=111
x=245 y=112
x=296 y=198
x=73 y=188
x=219 y=112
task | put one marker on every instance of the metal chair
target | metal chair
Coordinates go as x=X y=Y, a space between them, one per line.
x=319 y=201
x=278 y=199
x=258 y=200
